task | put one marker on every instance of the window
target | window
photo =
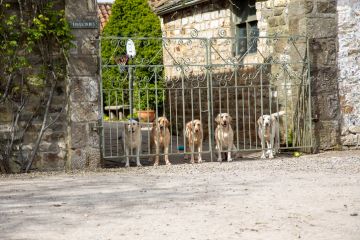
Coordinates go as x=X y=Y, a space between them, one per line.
x=247 y=32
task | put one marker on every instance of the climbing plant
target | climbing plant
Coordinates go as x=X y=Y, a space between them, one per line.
x=34 y=43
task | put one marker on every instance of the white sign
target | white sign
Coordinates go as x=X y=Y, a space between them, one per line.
x=130 y=48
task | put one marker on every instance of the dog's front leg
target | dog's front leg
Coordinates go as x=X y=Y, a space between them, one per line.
x=166 y=151
x=192 y=161
x=229 y=159
x=270 y=148
x=157 y=154
x=200 y=150
x=127 y=164
x=138 y=157
x=263 y=155
x=219 y=153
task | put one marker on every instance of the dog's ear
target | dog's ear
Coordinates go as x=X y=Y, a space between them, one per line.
x=260 y=121
x=189 y=126
x=230 y=119
x=167 y=123
x=218 y=118
x=154 y=123
x=273 y=119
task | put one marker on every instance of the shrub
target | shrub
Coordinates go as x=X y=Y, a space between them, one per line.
x=132 y=19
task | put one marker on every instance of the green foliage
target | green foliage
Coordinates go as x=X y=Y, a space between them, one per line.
x=132 y=19
x=22 y=37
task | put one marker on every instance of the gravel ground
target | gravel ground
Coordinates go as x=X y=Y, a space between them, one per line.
x=310 y=197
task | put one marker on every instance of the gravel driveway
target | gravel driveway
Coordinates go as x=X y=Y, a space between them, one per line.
x=310 y=197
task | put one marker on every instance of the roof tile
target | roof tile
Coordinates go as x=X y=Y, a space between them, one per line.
x=104 y=12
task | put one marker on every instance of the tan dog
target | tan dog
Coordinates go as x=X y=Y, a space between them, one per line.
x=160 y=137
x=132 y=141
x=268 y=132
x=224 y=135
x=194 y=136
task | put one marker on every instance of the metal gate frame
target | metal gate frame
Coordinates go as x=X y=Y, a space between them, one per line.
x=214 y=61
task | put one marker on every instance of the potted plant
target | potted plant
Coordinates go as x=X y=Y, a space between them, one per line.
x=145 y=100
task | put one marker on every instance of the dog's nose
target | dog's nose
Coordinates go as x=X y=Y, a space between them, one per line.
x=196 y=130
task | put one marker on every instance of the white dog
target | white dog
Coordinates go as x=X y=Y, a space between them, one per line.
x=132 y=141
x=268 y=132
x=224 y=135
x=194 y=136
x=160 y=137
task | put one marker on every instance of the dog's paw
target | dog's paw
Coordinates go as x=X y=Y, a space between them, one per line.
x=230 y=160
x=271 y=156
x=127 y=165
x=139 y=165
x=156 y=164
x=263 y=156
x=219 y=160
x=200 y=161
x=168 y=163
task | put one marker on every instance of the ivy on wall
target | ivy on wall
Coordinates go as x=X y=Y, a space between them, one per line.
x=34 y=42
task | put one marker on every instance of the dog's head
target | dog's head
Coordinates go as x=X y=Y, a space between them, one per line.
x=162 y=123
x=195 y=126
x=223 y=119
x=132 y=126
x=265 y=121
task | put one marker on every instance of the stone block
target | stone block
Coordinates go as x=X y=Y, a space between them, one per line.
x=280 y=3
x=93 y=158
x=354 y=129
x=79 y=135
x=78 y=159
x=329 y=134
x=309 y=6
x=84 y=111
x=6 y=113
x=351 y=140
x=84 y=89
x=321 y=27
x=44 y=146
x=328 y=6
x=278 y=11
x=272 y=22
x=51 y=161
x=94 y=139
x=84 y=65
x=74 y=10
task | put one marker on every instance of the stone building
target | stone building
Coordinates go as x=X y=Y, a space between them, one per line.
x=331 y=26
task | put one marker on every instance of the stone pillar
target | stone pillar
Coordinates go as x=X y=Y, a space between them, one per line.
x=317 y=20
x=83 y=88
x=349 y=70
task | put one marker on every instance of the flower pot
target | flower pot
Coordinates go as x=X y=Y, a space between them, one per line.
x=146 y=115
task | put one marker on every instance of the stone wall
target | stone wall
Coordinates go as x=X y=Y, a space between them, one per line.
x=200 y=21
x=348 y=54
x=73 y=141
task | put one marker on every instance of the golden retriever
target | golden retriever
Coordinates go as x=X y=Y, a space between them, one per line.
x=132 y=141
x=224 y=135
x=194 y=136
x=160 y=137
x=268 y=132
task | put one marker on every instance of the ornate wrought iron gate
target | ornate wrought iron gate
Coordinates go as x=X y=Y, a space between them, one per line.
x=197 y=78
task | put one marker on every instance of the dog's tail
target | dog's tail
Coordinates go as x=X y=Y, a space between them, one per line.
x=278 y=114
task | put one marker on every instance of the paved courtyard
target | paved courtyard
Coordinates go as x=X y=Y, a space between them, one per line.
x=310 y=197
